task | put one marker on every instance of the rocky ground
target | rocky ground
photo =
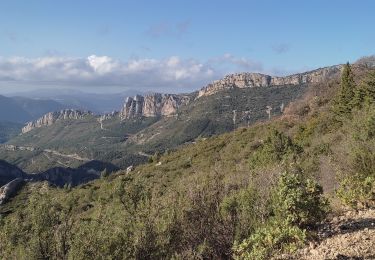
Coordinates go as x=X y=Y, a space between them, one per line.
x=349 y=236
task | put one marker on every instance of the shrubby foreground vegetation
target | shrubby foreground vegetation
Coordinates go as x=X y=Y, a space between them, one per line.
x=249 y=194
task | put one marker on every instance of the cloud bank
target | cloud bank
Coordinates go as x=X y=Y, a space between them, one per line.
x=171 y=74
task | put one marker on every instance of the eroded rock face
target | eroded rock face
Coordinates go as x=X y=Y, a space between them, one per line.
x=50 y=118
x=152 y=105
x=249 y=80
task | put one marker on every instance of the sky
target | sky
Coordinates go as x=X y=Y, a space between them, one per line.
x=173 y=45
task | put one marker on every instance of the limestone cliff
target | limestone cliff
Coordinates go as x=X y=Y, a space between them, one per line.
x=50 y=118
x=249 y=80
x=152 y=105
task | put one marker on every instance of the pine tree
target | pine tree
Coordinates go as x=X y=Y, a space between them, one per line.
x=365 y=93
x=344 y=103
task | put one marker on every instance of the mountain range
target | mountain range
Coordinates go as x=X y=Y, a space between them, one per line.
x=98 y=103
x=21 y=110
x=154 y=123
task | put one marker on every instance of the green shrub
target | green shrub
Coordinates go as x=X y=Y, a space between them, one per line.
x=275 y=148
x=357 y=183
x=357 y=189
x=276 y=236
x=297 y=202
x=245 y=209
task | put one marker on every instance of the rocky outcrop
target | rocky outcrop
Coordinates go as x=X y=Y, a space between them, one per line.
x=50 y=118
x=153 y=105
x=249 y=80
x=9 y=189
x=133 y=107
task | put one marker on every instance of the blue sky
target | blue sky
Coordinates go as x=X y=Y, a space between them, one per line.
x=177 y=45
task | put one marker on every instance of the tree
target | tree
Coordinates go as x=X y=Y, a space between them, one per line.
x=365 y=93
x=344 y=102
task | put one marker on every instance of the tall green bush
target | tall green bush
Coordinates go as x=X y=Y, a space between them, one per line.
x=297 y=202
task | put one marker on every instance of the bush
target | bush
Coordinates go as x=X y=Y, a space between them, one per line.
x=245 y=209
x=357 y=192
x=275 y=148
x=357 y=189
x=297 y=203
x=277 y=236
x=357 y=184
x=299 y=200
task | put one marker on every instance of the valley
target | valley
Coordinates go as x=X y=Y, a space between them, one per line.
x=155 y=123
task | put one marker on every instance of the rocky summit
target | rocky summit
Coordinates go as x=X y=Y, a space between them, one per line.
x=249 y=80
x=153 y=105
x=51 y=117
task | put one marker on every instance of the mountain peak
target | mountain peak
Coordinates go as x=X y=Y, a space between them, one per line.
x=152 y=105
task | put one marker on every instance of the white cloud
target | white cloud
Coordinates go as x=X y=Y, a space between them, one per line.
x=173 y=61
x=170 y=74
x=102 y=64
x=96 y=73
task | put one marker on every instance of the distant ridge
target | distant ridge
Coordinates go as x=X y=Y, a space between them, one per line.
x=249 y=80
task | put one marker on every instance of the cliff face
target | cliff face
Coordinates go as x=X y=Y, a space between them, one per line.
x=52 y=117
x=152 y=105
x=249 y=80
